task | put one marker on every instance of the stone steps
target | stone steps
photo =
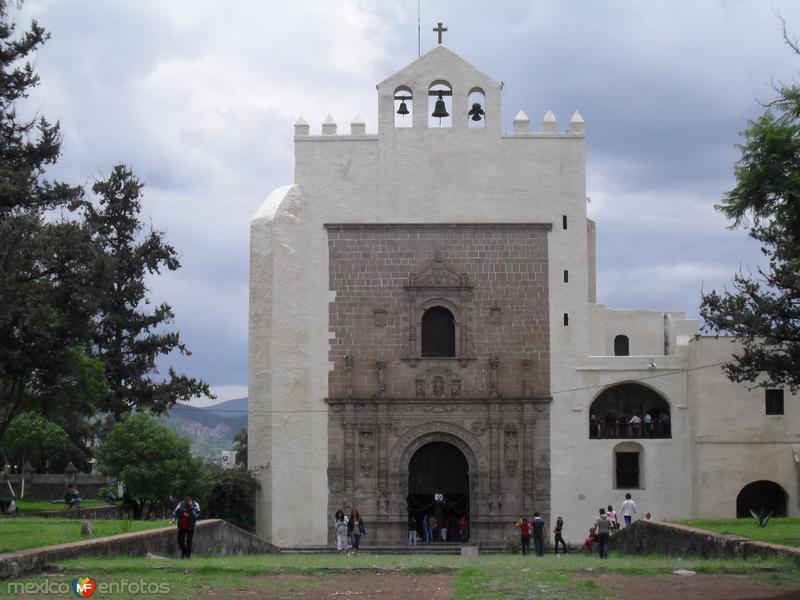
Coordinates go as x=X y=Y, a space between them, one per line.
x=444 y=548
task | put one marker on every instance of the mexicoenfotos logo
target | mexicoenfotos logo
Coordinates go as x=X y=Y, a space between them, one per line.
x=83 y=587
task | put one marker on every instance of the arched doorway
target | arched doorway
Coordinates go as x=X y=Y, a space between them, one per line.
x=759 y=496
x=612 y=413
x=438 y=485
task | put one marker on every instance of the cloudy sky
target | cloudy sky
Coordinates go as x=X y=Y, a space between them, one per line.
x=199 y=98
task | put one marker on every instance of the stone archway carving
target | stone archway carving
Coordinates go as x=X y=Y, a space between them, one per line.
x=417 y=437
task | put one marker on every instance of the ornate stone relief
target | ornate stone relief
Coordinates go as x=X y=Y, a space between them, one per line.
x=494 y=365
x=366 y=444
x=494 y=316
x=511 y=450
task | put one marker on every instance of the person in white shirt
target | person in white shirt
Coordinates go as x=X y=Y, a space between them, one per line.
x=628 y=509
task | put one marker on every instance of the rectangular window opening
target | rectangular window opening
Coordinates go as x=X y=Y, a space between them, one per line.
x=566 y=319
x=566 y=276
x=564 y=222
x=774 y=402
x=627 y=470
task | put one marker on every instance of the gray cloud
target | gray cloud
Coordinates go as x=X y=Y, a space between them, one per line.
x=199 y=98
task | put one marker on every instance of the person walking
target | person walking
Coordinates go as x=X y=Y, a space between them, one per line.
x=557 y=530
x=340 y=530
x=433 y=523
x=525 y=529
x=628 y=509
x=412 y=531
x=612 y=516
x=355 y=528
x=426 y=529
x=603 y=528
x=186 y=514
x=538 y=533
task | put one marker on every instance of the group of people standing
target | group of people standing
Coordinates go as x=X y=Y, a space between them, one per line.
x=348 y=531
x=449 y=529
x=599 y=534
x=606 y=523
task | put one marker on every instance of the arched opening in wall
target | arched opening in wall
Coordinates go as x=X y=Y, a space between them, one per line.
x=476 y=108
x=629 y=410
x=440 y=104
x=761 y=496
x=621 y=346
x=438 y=333
x=403 y=107
x=628 y=466
x=438 y=486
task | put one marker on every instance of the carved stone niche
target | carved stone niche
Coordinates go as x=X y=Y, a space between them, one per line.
x=438 y=285
x=379 y=317
x=494 y=316
x=441 y=383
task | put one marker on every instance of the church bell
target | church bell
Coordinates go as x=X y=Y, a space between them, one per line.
x=476 y=112
x=403 y=110
x=439 y=109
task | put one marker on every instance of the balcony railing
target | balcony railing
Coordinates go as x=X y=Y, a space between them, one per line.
x=610 y=431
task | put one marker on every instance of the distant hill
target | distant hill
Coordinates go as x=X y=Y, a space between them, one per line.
x=229 y=408
x=211 y=428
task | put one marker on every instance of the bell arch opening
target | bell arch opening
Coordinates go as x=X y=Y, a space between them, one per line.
x=403 y=107
x=438 y=487
x=440 y=105
x=761 y=496
x=476 y=105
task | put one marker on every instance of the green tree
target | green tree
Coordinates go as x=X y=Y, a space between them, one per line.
x=233 y=497
x=45 y=280
x=240 y=446
x=763 y=308
x=155 y=464
x=32 y=438
x=128 y=337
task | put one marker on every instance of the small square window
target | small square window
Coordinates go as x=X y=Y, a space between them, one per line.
x=774 y=402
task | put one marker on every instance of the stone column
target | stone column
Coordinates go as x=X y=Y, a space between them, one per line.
x=349 y=459
x=494 y=456
x=528 y=424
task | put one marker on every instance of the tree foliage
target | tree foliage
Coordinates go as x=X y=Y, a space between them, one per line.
x=155 y=464
x=763 y=308
x=32 y=438
x=128 y=337
x=240 y=447
x=233 y=497
x=45 y=280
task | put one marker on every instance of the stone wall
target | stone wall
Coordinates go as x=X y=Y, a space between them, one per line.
x=658 y=537
x=213 y=537
x=51 y=486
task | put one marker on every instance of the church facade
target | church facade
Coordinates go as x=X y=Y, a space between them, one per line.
x=425 y=339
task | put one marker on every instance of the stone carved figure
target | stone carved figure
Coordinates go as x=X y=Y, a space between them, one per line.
x=511 y=451
x=367 y=446
x=455 y=386
x=381 y=371
x=420 y=388
x=438 y=387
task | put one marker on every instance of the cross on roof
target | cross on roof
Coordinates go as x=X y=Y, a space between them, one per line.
x=440 y=30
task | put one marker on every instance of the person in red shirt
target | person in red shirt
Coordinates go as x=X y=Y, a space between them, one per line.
x=186 y=514
x=525 y=529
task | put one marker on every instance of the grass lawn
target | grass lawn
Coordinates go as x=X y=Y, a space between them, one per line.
x=21 y=533
x=784 y=531
x=488 y=577
x=30 y=506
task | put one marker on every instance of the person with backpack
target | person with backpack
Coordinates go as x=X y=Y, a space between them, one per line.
x=186 y=514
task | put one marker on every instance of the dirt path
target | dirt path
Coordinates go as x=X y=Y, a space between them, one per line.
x=387 y=586
x=690 y=587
